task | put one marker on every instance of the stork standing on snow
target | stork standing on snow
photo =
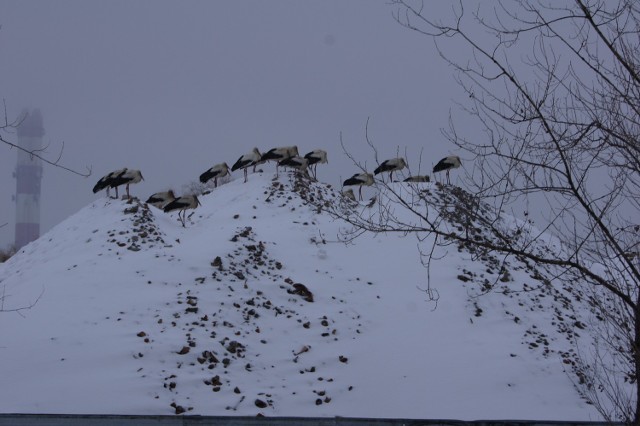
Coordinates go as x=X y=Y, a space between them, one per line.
x=182 y=204
x=279 y=154
x=315 y=157
x=246 y=161
x=418 y=178
x=359 y=179
x=298 y=163
x=348 y=193
x=161 y=199
x=128 y=177
x=447 y=163
x=219 y=170
x=391 y=166
x=105 y=181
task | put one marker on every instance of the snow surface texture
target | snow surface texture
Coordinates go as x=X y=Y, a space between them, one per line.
x=256 y=308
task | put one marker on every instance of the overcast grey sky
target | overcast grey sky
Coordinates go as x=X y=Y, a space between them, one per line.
x=173 y=87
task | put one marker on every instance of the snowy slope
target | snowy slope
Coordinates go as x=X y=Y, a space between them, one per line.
x=134 y=314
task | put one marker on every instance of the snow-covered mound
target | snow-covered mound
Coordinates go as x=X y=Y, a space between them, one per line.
x=256 y=307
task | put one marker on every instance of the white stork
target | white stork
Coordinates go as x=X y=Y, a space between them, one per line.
x=315 y=157
x=391 y=166
x=298 y=163
x=126 y=178
x=418 y=178
x=447 y=163
x=182 y=204
x=161 y=199
x=348 y=193
x=246 y=161
x=219 y=170
x=359 y=179
x=279 y=154
x=106 y=180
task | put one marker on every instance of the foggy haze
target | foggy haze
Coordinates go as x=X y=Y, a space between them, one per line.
x=172 y=88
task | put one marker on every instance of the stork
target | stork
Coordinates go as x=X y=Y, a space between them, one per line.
x=298 y=163
x=279 y=154
x=390 y=166
x=447 y=163
x=128 y=177
x=246 y=161
x=219 y=170
x=418 y=178
x=359 y=179
x=315 y=157
x=182 y=204
x=105 y=181
x=348 y=193
x=161 y=199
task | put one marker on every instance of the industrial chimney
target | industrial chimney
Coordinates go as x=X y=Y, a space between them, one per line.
x=28 y=177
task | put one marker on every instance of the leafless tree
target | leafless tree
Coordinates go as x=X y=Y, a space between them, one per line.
x=17 y=309
x=9 y=126
x=553 y=90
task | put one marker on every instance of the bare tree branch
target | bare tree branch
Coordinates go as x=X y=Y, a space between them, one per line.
x=55 y=162
x=10 y=126
x=561 y=128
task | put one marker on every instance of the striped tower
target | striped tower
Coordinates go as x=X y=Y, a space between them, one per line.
x=28 y=176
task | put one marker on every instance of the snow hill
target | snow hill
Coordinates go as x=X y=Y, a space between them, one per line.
x=256 y=308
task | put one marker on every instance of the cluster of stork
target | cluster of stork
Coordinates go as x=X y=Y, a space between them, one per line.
x=284 y=157
x=163 y=200
x=397 y=164
x=168 y=202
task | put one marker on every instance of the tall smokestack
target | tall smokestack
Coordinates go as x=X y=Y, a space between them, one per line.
x=28 y=177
